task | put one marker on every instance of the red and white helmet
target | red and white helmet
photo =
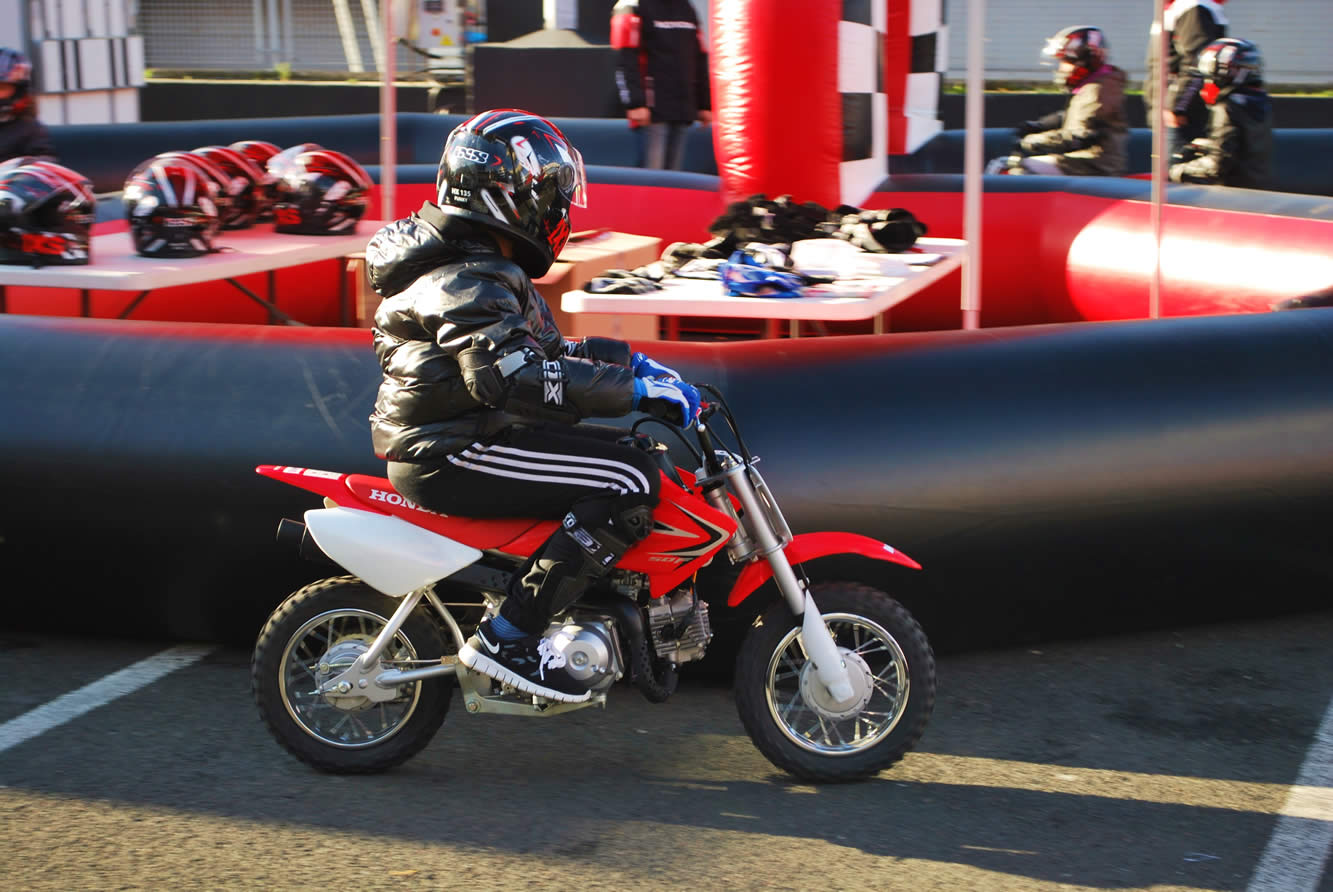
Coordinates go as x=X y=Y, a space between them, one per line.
x=322 y=193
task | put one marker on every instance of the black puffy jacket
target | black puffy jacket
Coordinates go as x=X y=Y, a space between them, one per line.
x=448 y=289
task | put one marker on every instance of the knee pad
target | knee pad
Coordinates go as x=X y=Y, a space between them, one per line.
x=634 y=521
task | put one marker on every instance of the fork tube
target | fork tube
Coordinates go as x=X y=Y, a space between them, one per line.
x=830 y=668
x=372 y=656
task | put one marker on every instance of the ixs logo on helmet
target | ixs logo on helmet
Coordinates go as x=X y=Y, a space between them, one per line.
x=467 y=153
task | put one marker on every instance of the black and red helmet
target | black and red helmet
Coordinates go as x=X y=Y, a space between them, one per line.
x=230 y=215
x=514 y=172
x=323 y=192
x=16 y=69
x=172 y=208
x=46 y=215
x=247 y=183
x=1076 y=52
x=259 y=153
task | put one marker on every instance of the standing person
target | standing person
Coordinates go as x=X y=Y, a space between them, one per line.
x=21 y=134
x=479 y=408
x=661 y=74
x=1090 y=137
x=1238 y=147
x=1190 y=25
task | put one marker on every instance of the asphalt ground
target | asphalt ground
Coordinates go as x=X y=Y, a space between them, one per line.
x=1156 y=761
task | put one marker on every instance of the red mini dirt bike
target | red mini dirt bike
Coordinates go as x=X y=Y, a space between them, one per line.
x=834 y=681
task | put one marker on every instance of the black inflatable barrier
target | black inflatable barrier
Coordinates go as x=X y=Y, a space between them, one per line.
x=1053 y=480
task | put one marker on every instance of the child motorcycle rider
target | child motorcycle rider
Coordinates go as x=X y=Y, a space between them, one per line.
x=478 y=411
x=1238 y=146
x=1090 y=137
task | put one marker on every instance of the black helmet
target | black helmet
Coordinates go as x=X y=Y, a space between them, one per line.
x=172 y=209
x=247 y=184
x=1231 y=62
x=259 y=153
x=230 y=214
x=46 y=215
x=323 y=193
x=514 y=172
x=1076 y=52
x=17 y=70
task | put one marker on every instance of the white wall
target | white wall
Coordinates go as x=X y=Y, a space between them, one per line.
x=1295 y=35
x=87 y=65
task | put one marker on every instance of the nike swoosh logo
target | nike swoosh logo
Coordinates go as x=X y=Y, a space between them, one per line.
x=493 y=648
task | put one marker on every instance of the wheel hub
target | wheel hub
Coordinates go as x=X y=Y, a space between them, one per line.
x=335 y=662
x=818 y=698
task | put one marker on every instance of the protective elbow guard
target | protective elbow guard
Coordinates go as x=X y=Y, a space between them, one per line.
x=520 y=382
x=484 y=381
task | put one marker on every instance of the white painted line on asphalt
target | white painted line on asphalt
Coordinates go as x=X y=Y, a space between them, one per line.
x=1298 y=850
x=87 y=698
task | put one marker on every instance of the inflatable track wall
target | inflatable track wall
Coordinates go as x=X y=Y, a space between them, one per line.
x=1051 y=479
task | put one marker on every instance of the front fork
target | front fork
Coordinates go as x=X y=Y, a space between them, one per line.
x=764 y=519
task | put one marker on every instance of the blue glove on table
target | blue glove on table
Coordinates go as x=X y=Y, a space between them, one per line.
x=644 y=367
x=669 y=399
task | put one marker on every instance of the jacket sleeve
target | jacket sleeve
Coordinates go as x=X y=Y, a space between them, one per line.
x=626 y=30
x=1193 y=31
x=1082 y=126
x=504 y=366
x=600 y=349
x=702 y=82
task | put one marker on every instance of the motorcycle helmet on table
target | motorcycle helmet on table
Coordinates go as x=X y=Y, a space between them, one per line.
x=516 y=173
x=247 y=183
x=172 y=209
x=46 y=215
x=259 y=153
x=323 y=192
x=224 y=196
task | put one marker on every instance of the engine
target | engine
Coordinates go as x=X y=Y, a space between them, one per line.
x=590 y=651
x=678 y=624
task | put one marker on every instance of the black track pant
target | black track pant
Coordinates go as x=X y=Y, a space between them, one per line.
x=579 y=474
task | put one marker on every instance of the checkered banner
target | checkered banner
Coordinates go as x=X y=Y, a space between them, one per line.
x=812 y=97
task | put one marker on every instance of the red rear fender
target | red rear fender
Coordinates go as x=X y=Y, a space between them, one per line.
x=807 y=547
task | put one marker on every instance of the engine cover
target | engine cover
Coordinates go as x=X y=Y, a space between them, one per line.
x=590 y=652
x=668 y=615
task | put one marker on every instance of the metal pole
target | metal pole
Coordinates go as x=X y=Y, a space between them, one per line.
x=288 y=35
x=1159 y=160
x=257 y=9
x=972 y=162
x=388 y=117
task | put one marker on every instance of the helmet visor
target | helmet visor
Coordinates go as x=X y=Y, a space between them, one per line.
x=573 y=179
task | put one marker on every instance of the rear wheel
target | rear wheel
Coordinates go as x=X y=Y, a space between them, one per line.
x=315 y=635
x=789 y=714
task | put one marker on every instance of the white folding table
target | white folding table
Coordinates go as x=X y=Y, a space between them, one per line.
x=116 y=266
x=847 y=299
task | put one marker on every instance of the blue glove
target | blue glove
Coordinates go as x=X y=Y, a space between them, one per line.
x=671 y=400
x=648 y=368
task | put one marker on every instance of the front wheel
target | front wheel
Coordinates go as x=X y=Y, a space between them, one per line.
x=315 y=635
x=789 y=714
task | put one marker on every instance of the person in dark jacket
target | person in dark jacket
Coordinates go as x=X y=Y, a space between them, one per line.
x=479 y=408
x=21 y=134
x=1190 y=25
x=1090 y=137
x=661 y=74
x=1238 y=147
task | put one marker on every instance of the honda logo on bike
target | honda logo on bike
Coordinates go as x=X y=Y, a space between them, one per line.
x=393 y=498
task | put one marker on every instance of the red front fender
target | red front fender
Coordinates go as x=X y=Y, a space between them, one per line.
x=807 y=547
